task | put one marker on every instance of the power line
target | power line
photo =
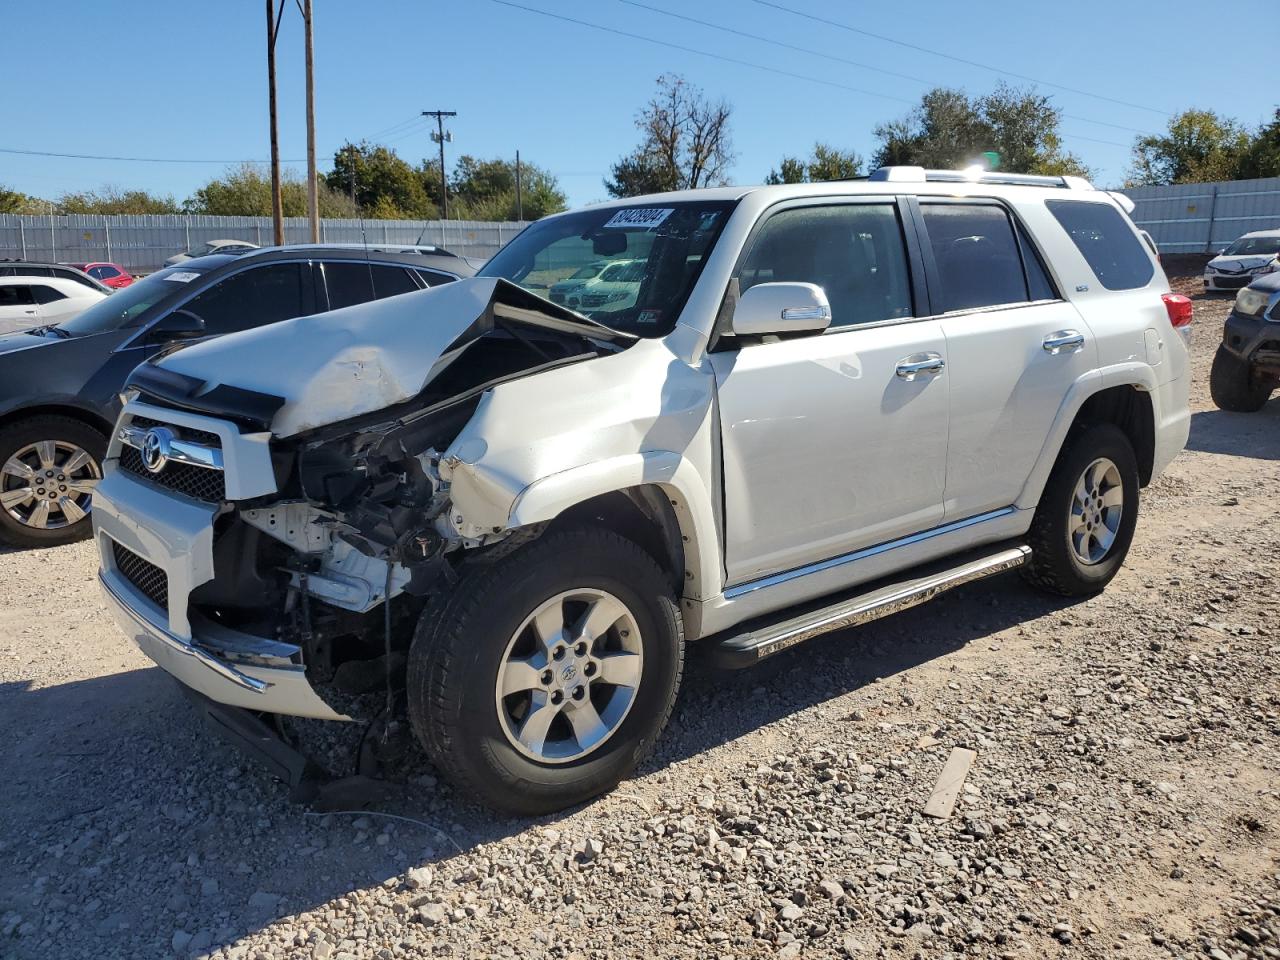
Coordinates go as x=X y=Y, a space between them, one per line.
x=827 y=56
x=94 y=156
x=701 y=53
x=948 y=56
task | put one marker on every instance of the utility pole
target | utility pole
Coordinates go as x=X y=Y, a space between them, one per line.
x=519 y=198
x=277 y=204
x=440 y=136
x=313 y=190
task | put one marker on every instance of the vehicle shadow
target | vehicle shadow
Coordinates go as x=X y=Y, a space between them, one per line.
x=1255 y=435
x=119 y=770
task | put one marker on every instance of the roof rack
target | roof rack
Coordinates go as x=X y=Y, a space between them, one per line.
x=921 y=175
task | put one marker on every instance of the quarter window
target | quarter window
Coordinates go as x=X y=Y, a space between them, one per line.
x=976 y=254
x=1107 y=242
x=854 y=251
x=251 y=298
x=353 y=282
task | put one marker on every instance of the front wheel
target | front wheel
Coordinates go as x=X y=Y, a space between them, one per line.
x=1234 y=386
x=49 y=467
x=547 y=675
x=1084 y=523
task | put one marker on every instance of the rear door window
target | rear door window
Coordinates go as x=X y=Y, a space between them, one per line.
x=43 y=294
x=16 y=295
x=1107 y=242
x=853 y=251
x=977 y=256
x=433 y=279
x=352 y=282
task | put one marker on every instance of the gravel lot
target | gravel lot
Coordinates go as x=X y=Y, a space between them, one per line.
x=1124 y=801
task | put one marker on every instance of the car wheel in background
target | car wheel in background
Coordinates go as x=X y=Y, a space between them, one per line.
x=1234 y=387
x=49 y=467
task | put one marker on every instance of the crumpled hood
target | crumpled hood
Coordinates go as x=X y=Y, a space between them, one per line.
x=333 y=366
x=1239 y=264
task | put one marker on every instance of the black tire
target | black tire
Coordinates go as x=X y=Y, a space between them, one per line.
x=462 y=640
x=17 y=436
x=1054 y=565
x=1233 y=386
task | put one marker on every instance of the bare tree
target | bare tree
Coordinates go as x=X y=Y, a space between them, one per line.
x=686 y=143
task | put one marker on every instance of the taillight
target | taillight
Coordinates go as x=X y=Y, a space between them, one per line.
x=1179 y=308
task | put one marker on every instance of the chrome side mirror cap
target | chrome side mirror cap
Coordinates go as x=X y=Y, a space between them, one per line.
x=781 y=308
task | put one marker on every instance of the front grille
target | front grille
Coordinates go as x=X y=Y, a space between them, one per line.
x=150 y=580
x=594 y=299
x=1233 y=283
x=195 y=482
x=205 y=437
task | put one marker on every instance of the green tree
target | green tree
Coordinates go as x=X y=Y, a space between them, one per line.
x=1199 y=146
x=949 y=129
x=486 y=190
x=113 y=200
x=245 y=191
x=12 y=201
x=1262 y=158
x=380 y=178
x=685 y=143
x=825 y=163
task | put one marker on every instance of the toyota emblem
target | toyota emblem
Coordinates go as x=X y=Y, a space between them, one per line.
x=155 y=448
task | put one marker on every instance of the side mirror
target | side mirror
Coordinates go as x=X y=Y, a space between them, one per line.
x=781 y=308
x=179 y=325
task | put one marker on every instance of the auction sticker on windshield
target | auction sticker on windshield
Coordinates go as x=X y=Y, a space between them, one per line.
x=183 y=276
x=645 y=218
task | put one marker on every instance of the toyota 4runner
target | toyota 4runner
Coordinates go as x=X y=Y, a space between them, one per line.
x=824 y=403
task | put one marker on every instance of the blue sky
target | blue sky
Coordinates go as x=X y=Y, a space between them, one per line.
x=150 y=79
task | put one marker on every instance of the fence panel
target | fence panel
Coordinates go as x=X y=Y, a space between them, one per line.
x=1205 y=217
x=141 y=244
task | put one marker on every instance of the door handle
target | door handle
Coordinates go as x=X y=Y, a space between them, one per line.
x=917 y=363
x=1062 y=340
x=29 y=312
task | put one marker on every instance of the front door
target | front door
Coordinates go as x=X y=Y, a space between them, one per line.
x=1014 y=348
x=835 y=441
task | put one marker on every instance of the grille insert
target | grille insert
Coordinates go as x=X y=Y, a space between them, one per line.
x=196 y=482
x=150 y=580
x=205 y=437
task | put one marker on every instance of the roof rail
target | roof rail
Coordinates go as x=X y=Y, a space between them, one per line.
x=973 y=175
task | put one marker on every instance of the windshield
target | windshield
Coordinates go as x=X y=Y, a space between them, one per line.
x=1253 y=246
x=125 y=306
x=587 y=272
x=654 y=253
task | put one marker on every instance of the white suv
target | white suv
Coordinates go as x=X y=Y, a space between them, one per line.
x=504 y=521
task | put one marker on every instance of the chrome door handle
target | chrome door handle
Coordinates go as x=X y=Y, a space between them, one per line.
x=30 y=313
x=1056 y=343
x=917 y=363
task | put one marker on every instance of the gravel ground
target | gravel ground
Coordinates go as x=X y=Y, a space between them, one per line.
x=1123 y=802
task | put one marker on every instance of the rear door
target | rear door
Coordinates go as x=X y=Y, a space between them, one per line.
x=18 y=309
x=1014 y=348
x=833 y=442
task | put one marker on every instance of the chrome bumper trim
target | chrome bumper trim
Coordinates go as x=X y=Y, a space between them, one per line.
x=223 y=669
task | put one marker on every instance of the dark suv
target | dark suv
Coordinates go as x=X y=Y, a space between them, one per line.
x=59 y=385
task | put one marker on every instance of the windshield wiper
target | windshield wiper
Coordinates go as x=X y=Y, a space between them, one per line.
x=49 y=328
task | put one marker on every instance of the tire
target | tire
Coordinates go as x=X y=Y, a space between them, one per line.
x=1233 y=386
x=48 y=442
x=470 y=638
x=1058 y=540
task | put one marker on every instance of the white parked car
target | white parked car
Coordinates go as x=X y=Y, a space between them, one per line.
x=561 y=290
x=1243 y=261
x=825 y=402
x=211 y=247
x=27 y=302
x=613 y=290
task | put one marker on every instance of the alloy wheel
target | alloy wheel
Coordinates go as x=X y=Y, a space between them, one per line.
x=49 y=484
x=1097 y=504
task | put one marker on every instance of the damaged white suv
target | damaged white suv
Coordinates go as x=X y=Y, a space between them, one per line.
x=825 y=402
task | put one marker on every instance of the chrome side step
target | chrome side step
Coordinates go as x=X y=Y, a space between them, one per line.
x=754 y=644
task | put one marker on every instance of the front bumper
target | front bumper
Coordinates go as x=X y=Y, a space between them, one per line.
x=1228 y=283
x=225 y=665
x=1255 y=340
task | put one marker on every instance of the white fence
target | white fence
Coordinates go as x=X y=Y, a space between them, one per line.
x=1205 y=217
x=141 y=244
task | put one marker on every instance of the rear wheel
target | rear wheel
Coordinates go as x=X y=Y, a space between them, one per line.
x=1084 y=523
x=547 y=675
x=1234 y=387
x=49 y=467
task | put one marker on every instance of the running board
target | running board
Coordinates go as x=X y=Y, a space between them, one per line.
x=753 y=645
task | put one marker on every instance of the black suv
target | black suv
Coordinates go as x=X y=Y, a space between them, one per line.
x=32 y=268
x=59 y=385
x=1246 y=367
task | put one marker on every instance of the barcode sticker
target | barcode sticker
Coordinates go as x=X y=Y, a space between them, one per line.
x=644 y=218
